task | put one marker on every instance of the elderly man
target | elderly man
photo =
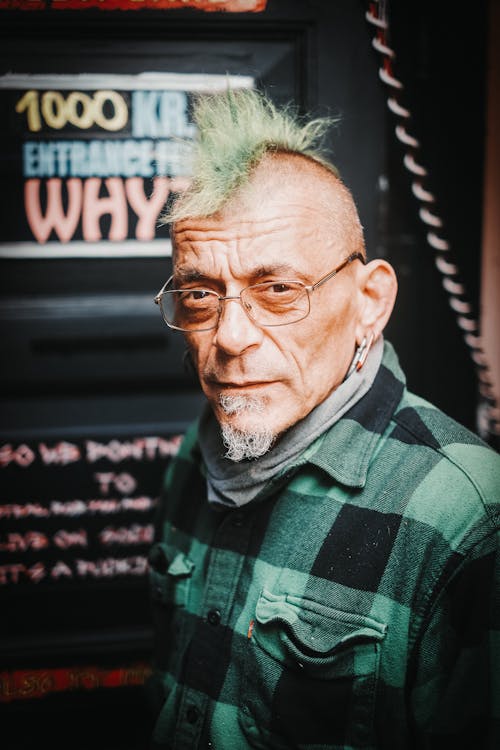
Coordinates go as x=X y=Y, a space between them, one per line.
x=324 y=575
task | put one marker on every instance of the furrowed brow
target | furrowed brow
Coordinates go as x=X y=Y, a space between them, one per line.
x=188 y=275
x=272 y=270
x=278 y=270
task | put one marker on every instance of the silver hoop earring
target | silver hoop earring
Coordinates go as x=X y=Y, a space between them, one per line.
x=360 y=355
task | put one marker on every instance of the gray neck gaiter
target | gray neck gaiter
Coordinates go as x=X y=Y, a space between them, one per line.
x=237 y=483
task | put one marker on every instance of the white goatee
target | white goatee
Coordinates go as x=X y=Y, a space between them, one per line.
x=241 y=444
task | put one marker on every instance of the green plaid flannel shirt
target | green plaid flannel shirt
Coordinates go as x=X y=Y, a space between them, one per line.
x=353 y=604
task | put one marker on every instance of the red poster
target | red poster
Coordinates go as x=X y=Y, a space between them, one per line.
x=35 y=683
x=231 y=6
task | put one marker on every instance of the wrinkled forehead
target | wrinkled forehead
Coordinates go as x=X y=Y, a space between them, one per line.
x=282 y=237
x=277 y=199
x=290 y=210
x=280 y=242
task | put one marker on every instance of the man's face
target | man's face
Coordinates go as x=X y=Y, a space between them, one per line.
x=253 y=376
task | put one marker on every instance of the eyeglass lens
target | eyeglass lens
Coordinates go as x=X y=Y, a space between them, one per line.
x=268 y=304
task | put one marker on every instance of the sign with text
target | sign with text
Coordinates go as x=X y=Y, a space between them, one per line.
x=79 y=512
x=92 y=160
x=76 y=526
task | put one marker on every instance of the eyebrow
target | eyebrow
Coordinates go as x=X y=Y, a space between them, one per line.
x=279 y=270
x=187 y=275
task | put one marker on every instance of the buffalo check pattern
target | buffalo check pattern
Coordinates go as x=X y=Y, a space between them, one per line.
x=353 y=604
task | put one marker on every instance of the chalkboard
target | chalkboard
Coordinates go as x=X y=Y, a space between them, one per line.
x=77 y=521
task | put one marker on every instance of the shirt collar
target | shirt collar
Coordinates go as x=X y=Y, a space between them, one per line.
x=345 y=451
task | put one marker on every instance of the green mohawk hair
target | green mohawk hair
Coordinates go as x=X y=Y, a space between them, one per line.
x=235 y=130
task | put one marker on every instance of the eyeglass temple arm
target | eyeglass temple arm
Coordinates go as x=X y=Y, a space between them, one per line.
x=157 y=298
x=353 y=256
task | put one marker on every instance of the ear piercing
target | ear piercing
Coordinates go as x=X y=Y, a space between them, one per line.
x=360 y=355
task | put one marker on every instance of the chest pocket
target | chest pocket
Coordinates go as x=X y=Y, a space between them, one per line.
x=170 y=574
x=310 y=675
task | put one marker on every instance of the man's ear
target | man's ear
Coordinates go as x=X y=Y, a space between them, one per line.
x=378 y=287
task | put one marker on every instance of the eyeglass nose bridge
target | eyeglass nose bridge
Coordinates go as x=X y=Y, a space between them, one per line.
x=235 y=298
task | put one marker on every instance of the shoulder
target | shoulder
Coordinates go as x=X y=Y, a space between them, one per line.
x=455 y=475
x=419 y=424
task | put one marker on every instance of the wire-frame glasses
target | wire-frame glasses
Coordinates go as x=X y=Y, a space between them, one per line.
x=268 y=303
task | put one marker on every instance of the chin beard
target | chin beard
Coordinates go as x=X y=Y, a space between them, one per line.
x=241 y=444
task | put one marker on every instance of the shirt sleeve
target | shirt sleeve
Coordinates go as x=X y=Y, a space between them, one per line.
x=454 y=700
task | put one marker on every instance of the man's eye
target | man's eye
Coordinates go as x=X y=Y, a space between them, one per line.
x=276 y=293
x=280 y=288
x=199 y=294
x=284 y=289
x=195 y=296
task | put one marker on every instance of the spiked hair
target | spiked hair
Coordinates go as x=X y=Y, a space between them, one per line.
x=235 y=131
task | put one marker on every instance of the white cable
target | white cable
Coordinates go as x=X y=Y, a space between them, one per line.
x=473 y=341
x=395 y=107
x=454 y=287
x=412 y=166
x=467 y=324
x=419 y=192
x=429 y=218
x=445 y=267
x=405 y=137
x=375 y=21
x=382 y=48
x=437 y=242
x=479 y=358
x=460 y=306
x=488 y=412
x=389 y=80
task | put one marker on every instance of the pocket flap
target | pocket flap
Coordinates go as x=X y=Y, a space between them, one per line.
x=170 y=571
x=181 y=565
x=315 y=626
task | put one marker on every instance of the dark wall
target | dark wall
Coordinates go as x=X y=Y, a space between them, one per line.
x=441 y=61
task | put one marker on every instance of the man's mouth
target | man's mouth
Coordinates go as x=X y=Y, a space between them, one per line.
x=228 y=384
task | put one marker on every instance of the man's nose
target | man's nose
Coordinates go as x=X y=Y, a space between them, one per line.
x=236 y=331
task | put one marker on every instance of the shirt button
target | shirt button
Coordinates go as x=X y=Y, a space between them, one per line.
x=192 y=714
x=213 y=617
x=237 y=520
